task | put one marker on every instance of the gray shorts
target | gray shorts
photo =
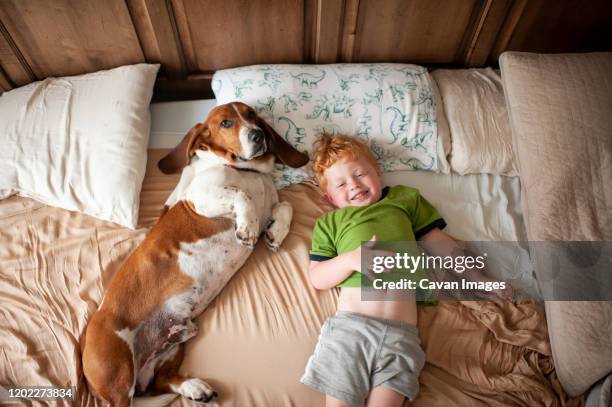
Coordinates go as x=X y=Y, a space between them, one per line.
x=356 y=353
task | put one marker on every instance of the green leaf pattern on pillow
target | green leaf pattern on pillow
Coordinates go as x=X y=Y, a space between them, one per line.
x=389 y=106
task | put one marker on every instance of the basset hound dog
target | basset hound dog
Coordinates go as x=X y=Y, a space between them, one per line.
x=224 y=201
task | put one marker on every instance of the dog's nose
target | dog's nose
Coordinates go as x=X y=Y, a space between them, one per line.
x=256 y=136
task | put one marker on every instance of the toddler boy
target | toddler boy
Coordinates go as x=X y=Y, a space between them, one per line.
x=369 y=351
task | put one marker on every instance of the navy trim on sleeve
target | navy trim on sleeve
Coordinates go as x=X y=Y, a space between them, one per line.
x=438 y=223
x=317 y=257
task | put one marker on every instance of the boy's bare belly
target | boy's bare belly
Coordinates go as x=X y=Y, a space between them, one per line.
x=404 y=310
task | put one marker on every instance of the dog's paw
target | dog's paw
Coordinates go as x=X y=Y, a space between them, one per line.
x=275 y=234
x=272 y=243
x=196 y=390
x=247 y=234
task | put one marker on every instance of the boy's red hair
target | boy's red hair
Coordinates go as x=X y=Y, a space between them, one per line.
x=329 y=149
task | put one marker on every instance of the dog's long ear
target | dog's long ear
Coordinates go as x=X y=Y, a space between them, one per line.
x=283 y=151
x=179 y=157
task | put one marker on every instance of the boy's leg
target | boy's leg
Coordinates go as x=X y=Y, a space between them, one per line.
x=334 y=402
x=401 y=359
x=382 y=396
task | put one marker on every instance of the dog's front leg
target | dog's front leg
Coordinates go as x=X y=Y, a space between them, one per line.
x=279 y=224
x=227 y=200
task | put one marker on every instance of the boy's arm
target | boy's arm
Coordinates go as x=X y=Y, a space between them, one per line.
x=439 y=243
x=329 y=273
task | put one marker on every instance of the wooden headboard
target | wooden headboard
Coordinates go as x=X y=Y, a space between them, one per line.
x=193 y=38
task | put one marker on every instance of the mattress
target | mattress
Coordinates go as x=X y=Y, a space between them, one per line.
x=257 y=335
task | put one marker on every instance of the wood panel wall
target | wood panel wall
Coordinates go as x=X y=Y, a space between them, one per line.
x=193 y=38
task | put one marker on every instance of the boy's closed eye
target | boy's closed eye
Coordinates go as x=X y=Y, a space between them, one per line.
x=358 y=174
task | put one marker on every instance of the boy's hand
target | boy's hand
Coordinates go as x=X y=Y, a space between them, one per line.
x=481 y=275
x=365 y=255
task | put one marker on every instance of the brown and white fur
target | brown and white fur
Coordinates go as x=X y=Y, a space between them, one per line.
x=224 y=201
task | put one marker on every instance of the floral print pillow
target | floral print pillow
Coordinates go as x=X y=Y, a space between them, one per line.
x=392 y=107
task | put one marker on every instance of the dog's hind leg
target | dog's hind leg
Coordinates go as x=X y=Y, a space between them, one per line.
x=168 y=380
x=108 y=363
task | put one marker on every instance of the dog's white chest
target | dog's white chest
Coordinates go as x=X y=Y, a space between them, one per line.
x=261 y=189
x=213 y=191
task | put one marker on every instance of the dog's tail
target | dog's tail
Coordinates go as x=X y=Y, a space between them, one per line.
x=161 y=400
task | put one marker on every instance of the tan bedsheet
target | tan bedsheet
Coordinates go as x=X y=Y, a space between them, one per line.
x=256 y=336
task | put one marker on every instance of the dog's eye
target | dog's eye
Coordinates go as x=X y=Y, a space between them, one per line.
x=226 y=124
x=251 y=115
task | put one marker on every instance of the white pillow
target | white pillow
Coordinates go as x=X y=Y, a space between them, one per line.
x=79 y=142
x=390 y=106
x=476 y=111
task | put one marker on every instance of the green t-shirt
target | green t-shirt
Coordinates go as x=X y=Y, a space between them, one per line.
x=401 y=214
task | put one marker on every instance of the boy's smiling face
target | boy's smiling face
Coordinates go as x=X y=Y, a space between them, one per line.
x=352 y=183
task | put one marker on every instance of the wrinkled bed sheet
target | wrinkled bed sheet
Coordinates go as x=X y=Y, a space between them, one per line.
x=255 y=338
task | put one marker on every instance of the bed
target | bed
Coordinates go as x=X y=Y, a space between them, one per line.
x=522 y=150
x=262 y=328
x=257 y=334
